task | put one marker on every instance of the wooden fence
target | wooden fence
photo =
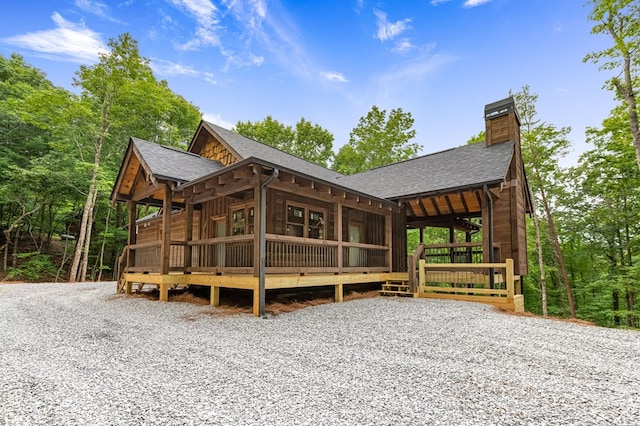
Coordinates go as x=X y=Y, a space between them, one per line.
x=492 y=283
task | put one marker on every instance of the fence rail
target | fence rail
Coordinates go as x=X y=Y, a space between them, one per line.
x=284 y=254
x=493 y=283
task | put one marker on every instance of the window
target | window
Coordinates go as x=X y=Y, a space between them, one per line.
x=295 y=221
x=305 y=222
x=242 y=221
x=316 y=224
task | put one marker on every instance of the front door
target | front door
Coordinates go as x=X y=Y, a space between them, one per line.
x=221 y=231
x=355 y=237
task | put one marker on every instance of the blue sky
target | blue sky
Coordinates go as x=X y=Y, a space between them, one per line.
x=329 y=61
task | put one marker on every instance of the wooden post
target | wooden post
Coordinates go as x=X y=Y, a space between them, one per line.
x=164 y=292
x=132 y=237
x=256 y=301
x=256 y=229
x=339 y=292
x=165 y=242
x=215 y=296
x=338 y=232
x=422 y=276
x=411 y=263
x=388 y=241
x=509 y=277
x=188 y=235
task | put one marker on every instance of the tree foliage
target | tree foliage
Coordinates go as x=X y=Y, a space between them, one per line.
x=307 y=140
x=64 y=149
x=620 y=19
x=377 y=140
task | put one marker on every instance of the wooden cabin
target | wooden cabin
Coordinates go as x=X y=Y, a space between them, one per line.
x=236 y=213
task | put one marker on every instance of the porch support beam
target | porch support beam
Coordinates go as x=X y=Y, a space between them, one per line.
x=388 y=241
x=188 y=231
x=338 y=234
x=132 y=236
x=261 y=222
x=165 y=241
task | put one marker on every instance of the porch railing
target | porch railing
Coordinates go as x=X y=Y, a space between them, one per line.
x=445 y=254
x=284 y=254
x=147 y=256
x=224 y=254
x=475 y=282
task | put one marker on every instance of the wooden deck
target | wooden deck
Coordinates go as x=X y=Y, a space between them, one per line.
x=248 y=282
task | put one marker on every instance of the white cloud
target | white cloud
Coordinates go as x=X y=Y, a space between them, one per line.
x=407 y=74
x=437 y=2
x=274 y=32
x=403 y=46
x=168 y=68
x=217 y=119
x=389 y=30
x=96 y=8
x=334 y=76
x=67 y=42
x=474 y=3
x=206 y=15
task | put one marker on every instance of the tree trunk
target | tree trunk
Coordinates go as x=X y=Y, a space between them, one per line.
x=74 y=272
x=630 y=300
x=616 y=307
x=84 y=239
x=14 y=252
x=558 y=252
x=7 y=234
x=104 y=243
x=87 y=243
x=626 y=91
x=5 y=259
x=543 y=275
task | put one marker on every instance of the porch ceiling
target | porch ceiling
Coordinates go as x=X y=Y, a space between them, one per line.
x=444 y=210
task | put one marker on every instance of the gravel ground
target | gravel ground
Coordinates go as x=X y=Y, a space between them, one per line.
x=79 y=354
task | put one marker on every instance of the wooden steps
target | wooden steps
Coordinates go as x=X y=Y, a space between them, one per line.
x=396 y=288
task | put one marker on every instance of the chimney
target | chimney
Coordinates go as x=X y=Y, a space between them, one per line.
x=502 y=122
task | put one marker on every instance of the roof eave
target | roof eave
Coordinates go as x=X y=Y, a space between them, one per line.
x=255 y=160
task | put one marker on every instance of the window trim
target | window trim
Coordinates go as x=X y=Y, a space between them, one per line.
x=307 y=208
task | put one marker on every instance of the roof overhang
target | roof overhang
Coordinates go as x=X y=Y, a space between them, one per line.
x=253 y=162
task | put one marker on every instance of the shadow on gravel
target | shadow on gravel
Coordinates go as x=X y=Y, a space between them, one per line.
x=235 y=302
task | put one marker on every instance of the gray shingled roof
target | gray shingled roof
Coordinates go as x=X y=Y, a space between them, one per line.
x=456 y=168
x=247 y=148
x=172 y=164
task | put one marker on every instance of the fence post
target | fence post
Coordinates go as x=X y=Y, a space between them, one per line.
x=509 y=278
x=411 y=268
x=422 y=277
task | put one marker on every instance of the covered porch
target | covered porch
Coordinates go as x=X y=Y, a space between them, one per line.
x=258 y=227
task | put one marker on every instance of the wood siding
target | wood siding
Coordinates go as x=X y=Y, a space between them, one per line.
x=399 y=241
x=509 y=223
x=214 y=150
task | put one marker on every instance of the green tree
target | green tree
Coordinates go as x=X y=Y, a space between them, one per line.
x=542 y=146
x=308 y=141
x=378 y=140
x=620 y=19
x=119 y=98
x=480 y=137
x=609 y=206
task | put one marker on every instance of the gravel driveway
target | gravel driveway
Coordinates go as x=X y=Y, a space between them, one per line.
x=78 y=354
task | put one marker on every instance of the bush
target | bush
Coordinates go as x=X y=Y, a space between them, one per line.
x=35 y=266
